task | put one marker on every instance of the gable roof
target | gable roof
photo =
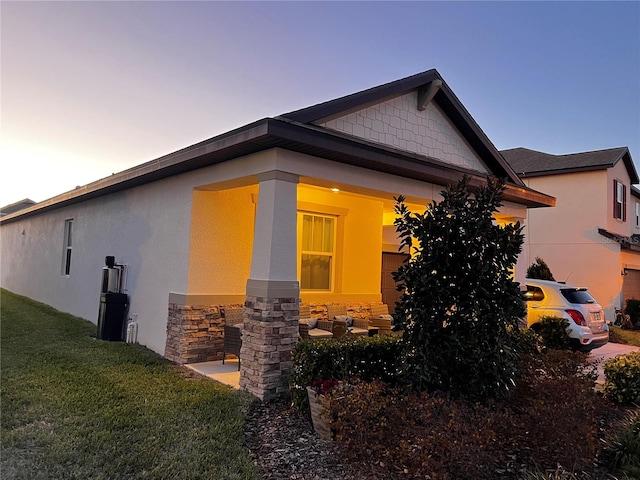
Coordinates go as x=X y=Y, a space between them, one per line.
x=297 y=132
x=430 y=87
x=531 y=163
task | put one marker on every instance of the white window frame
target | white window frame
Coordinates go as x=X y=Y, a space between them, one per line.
x=332 y=255
x=619 y=199
x=637 y=214
x=68 y=248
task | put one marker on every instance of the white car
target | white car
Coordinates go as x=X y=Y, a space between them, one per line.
x=587 y=326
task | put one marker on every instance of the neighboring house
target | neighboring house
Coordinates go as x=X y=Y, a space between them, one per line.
x=15 y=207
x=592 y=236
x=297 y=206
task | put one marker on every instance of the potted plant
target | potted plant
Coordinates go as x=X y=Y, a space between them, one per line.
x=317 y=391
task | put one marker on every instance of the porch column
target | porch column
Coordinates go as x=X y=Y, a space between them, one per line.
x=272 y=296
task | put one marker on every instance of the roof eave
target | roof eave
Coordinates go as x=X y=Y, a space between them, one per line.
x=626 y=243
x=280 y=133
x=543 y=173
x=631 y=169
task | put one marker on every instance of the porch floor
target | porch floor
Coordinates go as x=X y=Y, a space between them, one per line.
x=227 y=373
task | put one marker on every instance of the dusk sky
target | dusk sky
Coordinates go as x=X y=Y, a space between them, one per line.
x=92 y=88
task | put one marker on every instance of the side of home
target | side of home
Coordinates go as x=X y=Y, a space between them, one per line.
x=592 y=237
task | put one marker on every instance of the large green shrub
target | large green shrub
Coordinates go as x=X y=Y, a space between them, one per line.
x=540 y=270
x=622 y=378
x=367 y=358
x=460 y=301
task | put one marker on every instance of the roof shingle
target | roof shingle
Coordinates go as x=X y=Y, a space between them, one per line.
x=531 y=163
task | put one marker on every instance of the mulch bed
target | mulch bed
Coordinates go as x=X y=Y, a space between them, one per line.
x=283 y=445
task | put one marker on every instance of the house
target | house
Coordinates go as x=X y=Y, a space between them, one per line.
x=592 y=236
x=296 y=206
x=16 y=206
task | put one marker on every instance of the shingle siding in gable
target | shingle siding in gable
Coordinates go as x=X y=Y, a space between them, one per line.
x=397 y=123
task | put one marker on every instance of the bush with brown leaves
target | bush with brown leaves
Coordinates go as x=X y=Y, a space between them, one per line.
x=554 y=417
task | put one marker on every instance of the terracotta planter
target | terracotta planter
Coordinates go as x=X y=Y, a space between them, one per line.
x=318 y=414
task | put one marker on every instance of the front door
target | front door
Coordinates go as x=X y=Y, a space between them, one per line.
x=390 y=263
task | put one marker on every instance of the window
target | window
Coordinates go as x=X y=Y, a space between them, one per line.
x=577 y=295
x=317 y=252
x=533 y=294
x=619 y=200
x=637 y=215
x=66 y=254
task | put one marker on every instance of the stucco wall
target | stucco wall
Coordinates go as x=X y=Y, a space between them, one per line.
x=615 y=225
x=171 y=249
x=221 y=240
x=581 y=207
x=146 y=228
x=361 y=244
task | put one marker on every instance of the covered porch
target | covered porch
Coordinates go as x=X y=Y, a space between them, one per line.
x=299 y=228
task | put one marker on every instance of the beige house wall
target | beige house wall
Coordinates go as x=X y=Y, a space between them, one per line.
x=623 y=228
x=567 y=237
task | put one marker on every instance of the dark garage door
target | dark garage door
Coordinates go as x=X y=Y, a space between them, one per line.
x=631 y=287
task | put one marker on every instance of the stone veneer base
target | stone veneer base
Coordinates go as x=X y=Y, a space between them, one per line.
x=269 y=336
x=195 y=333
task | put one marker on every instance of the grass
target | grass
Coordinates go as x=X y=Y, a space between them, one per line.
x=74 y=407
x=628 y=337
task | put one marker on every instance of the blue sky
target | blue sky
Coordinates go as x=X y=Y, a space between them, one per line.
x=92 y=88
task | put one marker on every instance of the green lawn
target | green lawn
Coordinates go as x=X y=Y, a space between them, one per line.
x=74 y=407
x=629 y=337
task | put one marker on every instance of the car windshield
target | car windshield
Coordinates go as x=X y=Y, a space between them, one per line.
x=579 y=296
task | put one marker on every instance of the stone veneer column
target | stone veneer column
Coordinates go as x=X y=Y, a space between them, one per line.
x=194 y=333
x=268 y=337
x=272 y=298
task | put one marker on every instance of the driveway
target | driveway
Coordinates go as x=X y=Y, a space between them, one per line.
x=610 y=350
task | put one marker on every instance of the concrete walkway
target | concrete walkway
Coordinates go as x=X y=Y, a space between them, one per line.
x=227 y=373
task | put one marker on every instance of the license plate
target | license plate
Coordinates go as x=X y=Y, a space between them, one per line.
x=596 y=316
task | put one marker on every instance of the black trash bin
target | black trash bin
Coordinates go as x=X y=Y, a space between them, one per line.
x=111 y=317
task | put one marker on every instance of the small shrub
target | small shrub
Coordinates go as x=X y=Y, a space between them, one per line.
x=623 y=453
x=633 y=310
x=622 y=378
x=528 y=341
x=540 y=270
x=368 y=358
x=557 y=406
x=553 y=331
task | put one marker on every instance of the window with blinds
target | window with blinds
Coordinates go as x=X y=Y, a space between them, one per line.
x=317 y=258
